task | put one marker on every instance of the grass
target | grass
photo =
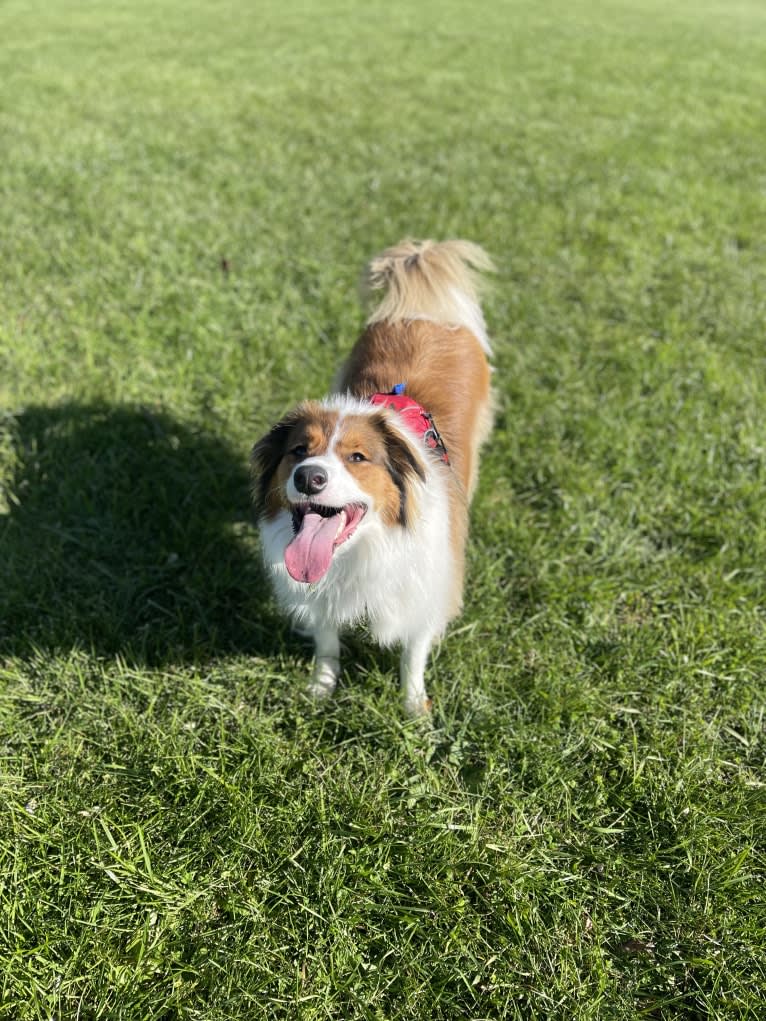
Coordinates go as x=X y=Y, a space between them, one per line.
x=187 y=194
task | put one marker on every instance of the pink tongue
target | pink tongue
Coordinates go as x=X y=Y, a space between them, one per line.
x=308 y=556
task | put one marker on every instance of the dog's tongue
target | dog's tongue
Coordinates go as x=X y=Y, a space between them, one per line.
x=309 y=555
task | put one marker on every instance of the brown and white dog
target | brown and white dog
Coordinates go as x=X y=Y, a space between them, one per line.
x=363 y=497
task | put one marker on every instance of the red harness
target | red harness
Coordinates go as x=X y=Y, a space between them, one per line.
x=414 y=416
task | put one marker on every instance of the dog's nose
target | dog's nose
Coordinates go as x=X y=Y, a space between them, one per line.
x=310 y=479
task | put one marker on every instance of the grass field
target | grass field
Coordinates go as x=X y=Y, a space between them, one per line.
x=187 y=195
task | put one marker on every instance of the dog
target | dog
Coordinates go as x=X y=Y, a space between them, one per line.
x=362 y=498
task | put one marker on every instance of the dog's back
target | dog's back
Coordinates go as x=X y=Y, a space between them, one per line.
x=428 y=332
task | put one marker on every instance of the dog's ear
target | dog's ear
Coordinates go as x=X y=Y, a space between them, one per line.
x=406 y=468
x=265 y=458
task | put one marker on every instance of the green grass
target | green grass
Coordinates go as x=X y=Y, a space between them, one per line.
x=187 y=195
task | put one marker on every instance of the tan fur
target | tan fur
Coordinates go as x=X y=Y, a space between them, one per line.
x=446 y=371
x=412 y=337
x=359 y=433
x=420 y=277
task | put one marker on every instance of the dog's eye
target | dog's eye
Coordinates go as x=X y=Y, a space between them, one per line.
x=356 y=457
x=300 y=451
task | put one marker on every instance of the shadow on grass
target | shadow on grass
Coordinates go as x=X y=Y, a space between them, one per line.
x=127 y=532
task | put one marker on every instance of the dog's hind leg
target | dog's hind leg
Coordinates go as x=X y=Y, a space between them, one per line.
x=326 y=663
x=412 y=674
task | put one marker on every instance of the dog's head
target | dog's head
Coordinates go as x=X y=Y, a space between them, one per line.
x=335 y=468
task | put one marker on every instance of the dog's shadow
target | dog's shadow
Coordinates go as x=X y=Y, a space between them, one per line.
x=125 y=531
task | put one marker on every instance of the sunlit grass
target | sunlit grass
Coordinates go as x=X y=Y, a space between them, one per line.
x=187 y=196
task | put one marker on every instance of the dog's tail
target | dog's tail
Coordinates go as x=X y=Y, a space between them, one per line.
x=438 y=280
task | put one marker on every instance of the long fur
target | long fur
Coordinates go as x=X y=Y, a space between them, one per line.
x=441 y=281
x=397 y=580
x=402 y=570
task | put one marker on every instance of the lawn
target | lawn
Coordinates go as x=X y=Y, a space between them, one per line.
x=188 y=193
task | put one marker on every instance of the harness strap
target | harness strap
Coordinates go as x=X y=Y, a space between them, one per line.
x=414 y=416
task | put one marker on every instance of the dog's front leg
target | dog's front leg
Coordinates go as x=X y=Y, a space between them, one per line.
x=326 y=663
x=412 y=674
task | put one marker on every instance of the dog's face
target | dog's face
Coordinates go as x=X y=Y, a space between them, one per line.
x=335 y=472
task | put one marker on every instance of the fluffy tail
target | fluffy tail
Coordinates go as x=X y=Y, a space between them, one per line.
x=438 y=280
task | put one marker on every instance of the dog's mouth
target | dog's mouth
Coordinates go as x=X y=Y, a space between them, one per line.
x=319 y=531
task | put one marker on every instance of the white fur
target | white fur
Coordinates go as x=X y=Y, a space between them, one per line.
x=464 y=313
x=398 y=580
x=470 y=315
x=341 y=486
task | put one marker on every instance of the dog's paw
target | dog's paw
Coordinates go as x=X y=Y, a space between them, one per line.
x=318 y=691
x=418 y=708
x=324 y=678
